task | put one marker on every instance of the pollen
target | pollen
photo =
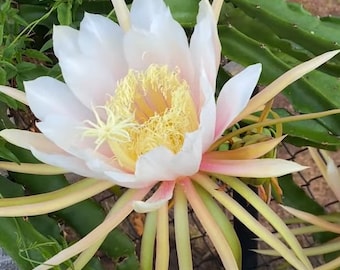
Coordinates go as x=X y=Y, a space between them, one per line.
x=149 y=109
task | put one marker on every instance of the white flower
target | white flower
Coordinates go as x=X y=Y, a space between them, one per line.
x=137 y=107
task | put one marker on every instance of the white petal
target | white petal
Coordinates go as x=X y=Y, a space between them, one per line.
x=208 y=113
x=26 y=139
x=65 y=39
x=110 y=169
x=144 y=12
x=45 y=151
x=102 y=165
x=62 y=131
x=67 y=134
x=163 y=165
x=257 y=168
x=64 y=161
x=94 y=61
x=97 y=31
x=90 y=81
x=46 y=96
x=156 y=38
x=235 y=96
x=102 y=39
x=205 y=46
x=127 y=180
x=160 y=197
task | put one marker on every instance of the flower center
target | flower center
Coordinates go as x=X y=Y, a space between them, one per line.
x=151 y=108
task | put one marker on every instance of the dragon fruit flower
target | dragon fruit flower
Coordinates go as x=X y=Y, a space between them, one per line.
x=138 y=110
x=137 y=106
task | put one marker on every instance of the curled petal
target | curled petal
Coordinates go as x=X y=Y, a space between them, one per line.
x=298 y=260
x=331 y=246
x=251 y=151
x=162 y=239
x=116 y=216
x=31 y=168
x=26 y=139
x=208 y=222
x=160 y=197
x=14 y=93
x=182 y=228
x=283 y=81
x=52 y=201
x=234 y=96
x=46 y=151
x=315 y=220
x=255 y=168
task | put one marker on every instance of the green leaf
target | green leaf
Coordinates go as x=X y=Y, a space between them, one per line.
x=10 y=70
x=308 y=133
x=47 y=226
x=1 y=34
x=33 y=12
x=290 y=21
x=3 y=76
x=292 y=191
x=222 y=78
x=98 y=6
x=184 y=12
x=35 y=54
x=306 y=94
x=259 y=31
x=7 y=154
x=18 y=237
x=12 y=103
x=48 y=45
x=43 y=241
x=64 y=13
x=280 y=35
x=28 y=71
x=19 y=20
x=5 y=6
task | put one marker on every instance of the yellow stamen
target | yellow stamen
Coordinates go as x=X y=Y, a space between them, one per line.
x=149 y=109
x=115 y=130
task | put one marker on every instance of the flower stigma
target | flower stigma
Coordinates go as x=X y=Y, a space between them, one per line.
x=150 y=109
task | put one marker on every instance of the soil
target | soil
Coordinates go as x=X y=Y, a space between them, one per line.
x=321 y=7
